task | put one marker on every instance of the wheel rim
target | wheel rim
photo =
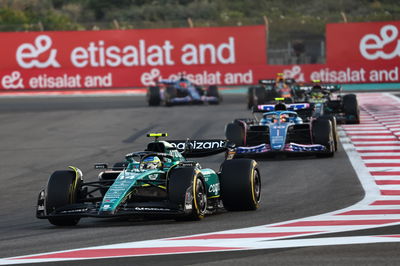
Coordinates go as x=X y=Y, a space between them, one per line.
x=200 y=197
x=256 y=187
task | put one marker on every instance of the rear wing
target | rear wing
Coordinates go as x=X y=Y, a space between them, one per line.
x=272 y=82
x=167 y=81
x=199 y=148
x=328 y=87
x=267 y=82
x=271 y=107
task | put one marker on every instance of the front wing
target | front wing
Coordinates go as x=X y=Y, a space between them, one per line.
x=136 y=209
x=288 y=148
x=188 y=100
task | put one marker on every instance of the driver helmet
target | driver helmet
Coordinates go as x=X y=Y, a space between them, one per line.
x=284 y=118
x=151 y=162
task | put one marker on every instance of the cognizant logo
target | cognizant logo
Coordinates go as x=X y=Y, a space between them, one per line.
x=200 y=145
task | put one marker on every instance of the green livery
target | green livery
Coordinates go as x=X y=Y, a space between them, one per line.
x=159 y=181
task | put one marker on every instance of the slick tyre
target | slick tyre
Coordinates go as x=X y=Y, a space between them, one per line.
x=351 y=110
x=62 y=189
x=335 y=135
x=153 y=96
x=240 y=185
x=170 y=93
x=186 y=183
x=322 y=134
x=234 y=133
x=250 y=97
x=212 y=91
x=260 y=95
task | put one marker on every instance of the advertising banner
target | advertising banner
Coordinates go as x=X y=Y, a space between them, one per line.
x=121 y=58
x=355 y=53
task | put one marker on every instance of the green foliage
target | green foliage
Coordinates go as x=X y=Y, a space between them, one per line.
x=307 y=16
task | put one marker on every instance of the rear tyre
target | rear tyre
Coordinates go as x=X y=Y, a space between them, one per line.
x=213 y=92
x=170 y=93
x=250 y=97
x=322 y=134
x=62 y=189
x=186 y=182
x=234 y=133
x=351 y=110
x=153 y=96
x=240 y=185
x=260 y=95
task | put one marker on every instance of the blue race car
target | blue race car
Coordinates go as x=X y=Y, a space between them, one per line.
x=280 y=130
x=182 y=91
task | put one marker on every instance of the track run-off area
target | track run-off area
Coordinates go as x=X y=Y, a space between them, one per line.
x=343 y=210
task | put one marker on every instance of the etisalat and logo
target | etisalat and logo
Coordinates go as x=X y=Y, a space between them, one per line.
x=200 y=144
x=372 y=46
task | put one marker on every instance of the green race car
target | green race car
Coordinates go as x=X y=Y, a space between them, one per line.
x=157 y=182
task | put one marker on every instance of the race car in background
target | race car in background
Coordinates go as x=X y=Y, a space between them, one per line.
x=281 y=130
x=327 y=100
x=157 y=182
x=182 y=91
x=269 y=89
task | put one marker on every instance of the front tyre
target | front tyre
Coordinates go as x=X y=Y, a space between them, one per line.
x=186 y=188
x=153 y=96
x=240 y=185
x=323 y=134
x=62 y=189
x=212 y=91
x=351 y=110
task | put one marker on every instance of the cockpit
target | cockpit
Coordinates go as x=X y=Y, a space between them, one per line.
x=280 y=117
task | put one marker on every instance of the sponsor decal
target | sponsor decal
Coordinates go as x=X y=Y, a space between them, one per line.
x=200 y=144
x=27 y=54
x=151 y=209
x=301 y=148
x=76 y=210
x=295 y=73
x=373 y=47
x=253 y=149
x=214 y=188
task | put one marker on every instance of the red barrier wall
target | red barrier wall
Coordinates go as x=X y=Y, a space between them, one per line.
x=356 y=53
x=128 y=58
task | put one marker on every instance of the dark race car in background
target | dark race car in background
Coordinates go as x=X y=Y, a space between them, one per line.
x=281 y=130
x=328 y=100
x=157 y=182
x=182 y=91
x=269 y=89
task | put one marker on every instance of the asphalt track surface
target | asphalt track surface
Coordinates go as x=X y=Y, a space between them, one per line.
x=40 y=135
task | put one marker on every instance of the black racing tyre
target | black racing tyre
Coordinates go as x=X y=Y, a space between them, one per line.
x=153 y=96
x=62 y=189
x=250 y=97
x=240 y=185
x=260 y=95
x=188 y=180
x=322 y=134
x=335 y=134
x=350 y=108
x=234 y=133
x=212 y=91
x=169 y=94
